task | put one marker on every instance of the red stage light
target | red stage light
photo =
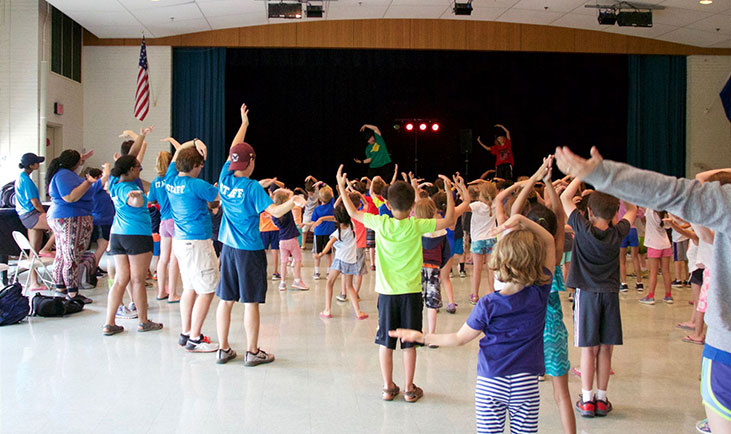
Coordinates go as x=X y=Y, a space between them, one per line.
x=422 y=127
x=409 y=127
x=435 y=127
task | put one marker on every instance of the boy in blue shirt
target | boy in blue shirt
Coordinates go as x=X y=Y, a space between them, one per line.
x=243 y=260
x=192 y=244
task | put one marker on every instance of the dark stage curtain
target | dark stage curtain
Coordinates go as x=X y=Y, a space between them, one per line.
x=199 y=85
x=656 y=113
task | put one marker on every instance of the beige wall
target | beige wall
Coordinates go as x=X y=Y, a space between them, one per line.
x=708 y=130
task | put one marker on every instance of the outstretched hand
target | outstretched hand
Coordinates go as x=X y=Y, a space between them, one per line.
x=146 y=131
x=201 y=148
x=571 y=164
x=407 y=335
x=341 y=177
x=244 y=114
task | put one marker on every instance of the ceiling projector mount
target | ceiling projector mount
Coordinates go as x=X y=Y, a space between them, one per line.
x=625 y=14
x=292 y=9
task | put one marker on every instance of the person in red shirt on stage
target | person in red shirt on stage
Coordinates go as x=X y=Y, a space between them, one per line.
x=503 y=151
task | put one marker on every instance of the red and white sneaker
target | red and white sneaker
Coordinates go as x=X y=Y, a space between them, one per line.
x=585 y=408
x=602 y=407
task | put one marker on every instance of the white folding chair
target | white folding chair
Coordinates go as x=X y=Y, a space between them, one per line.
x=29 y=260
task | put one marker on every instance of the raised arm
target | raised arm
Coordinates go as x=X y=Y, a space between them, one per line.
x=523 y=222
x=188 y=144
x=483 y=145
x=371 y=127
x=282 y=209
x=241 y=133
x=522 y=198
x=682 y=230
x=137 y=145
x=395 y=174
x=352 y=210
x=449 y=217
x=507 y=133
x=567 y=197
x=631 y=213
x=80 y=189
x=172 y=141
x=106 y=171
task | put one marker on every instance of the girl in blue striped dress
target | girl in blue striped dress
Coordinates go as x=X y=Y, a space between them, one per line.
x=512 y=321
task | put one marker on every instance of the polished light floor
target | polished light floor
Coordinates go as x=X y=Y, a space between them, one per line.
x=61 y=375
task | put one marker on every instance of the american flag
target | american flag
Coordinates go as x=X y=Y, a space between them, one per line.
x=142 y=97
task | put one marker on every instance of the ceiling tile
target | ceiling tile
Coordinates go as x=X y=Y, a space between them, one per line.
x=693 y=37
x=710 y=24
x=529 y=17
x=178 y=27
x=415 y=11
x=122 y=18
x=552 y=5
x=494 y=3
x=350 y=11
x=723 y=44
x=118 y=31
x=231 y=7
x=242 y=20
x=577 y=21
x=88 y=6
x=149 y=4
x=442 y=3
x=478 y=13
x=163 y=14
x=678 y=17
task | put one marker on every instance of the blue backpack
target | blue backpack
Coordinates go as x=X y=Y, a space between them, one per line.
x=14 y=306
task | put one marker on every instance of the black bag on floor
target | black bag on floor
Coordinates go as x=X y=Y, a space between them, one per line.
x=14 y=306
x=44 y=305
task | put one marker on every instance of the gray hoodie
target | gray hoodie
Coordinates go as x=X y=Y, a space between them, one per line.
x=707 y=204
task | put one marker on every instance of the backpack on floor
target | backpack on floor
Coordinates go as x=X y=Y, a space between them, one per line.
x=7 y=195
x=14 y=306
x=44 y=305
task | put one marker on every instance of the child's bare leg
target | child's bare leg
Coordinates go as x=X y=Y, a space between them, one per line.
x=476 y=273
x=490 y=277
x=717 y=422
x=409 y=368
x=357 y=282
x=385 y=357
x=284 y=269
x=603 y=367
x=431 y=320
x=562 y=397
x=588 y=365
x=317 y=262
x=698 y=334
x=298 y=270
x=348 y=282
x=446 y=281
x=331 y=277
x=275 y=258
x=173 y=273
x=623 y=264
x=635 y=252
x=654 y=266
x=666 y=278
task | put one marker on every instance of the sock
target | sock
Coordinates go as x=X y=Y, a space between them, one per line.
x=601 y=395
x=317 y=269
x=586 y=395
x=461 y=267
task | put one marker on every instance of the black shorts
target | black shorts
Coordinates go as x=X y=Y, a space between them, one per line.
x=243 y=275
x=270 y=239
x=100 y=231
x=697 y=276
x=130 y=244
x=596 y=319
x=320 y=243
x=398 y=311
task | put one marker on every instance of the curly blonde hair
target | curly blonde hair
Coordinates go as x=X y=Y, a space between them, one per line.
x=519 y=257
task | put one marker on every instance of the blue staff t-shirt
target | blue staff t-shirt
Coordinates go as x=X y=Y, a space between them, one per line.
x=129 y=220
x=242 y=200
x=324 y=228
x=25 y=190
x=62 y=184
x=189 y=199
x=103 y=211
x=513 y=327
x=159 y=194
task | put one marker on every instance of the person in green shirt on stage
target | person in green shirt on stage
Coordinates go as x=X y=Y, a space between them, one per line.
x=377 y=158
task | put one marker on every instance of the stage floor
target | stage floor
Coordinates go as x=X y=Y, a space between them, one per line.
x=62 y=375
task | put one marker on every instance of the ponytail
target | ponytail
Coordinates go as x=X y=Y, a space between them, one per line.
x=123 y=165
x=67 y=160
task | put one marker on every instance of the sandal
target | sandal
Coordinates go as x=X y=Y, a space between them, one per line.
x=149 y=326
x=694 y=341
x=325 y=315
x=474 y=299
x=161 y=298
x=362 y=316
x=390 y=394
x=109 y=330
x=414 y=394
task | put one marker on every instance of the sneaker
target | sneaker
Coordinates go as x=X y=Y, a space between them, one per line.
x=647 y=300
x=81 y=298
x=124 y=313
x=676 y=283
x=585 y=409
x=451 y=274
x=132 y=307
x=623 y=287
x=474 y=299
x=223 y=356
x=149 y=326
x=300 y=285
x=452 y=308
x=602 y=407
x=100 y=272
x=341 y=298
x=639 y=287
x=259 y=358
x=686 y=283
x=183 y=339
x=201 y=346
x=668 y=299
x=462 y=274
x=282 y=286
x=276 y=276
x=702 y=426
x=316 y=276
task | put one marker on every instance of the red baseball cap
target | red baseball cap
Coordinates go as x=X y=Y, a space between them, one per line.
x=241 y=155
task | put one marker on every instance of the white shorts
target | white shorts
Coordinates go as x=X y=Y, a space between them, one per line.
x=199 y=267
x=306 y=219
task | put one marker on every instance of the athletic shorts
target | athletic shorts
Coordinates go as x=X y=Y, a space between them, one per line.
x=596 y=319
x=680 y=251
x=30 y=219
x=458 y=246
x=431 y=291
x=370 y=238
x=130 y=244
x=696 y=277
x=320 y=242
x=199 y=268
x=100 y=232
x=716 y=382
x=289 y=248
x=167 y=228
x=243 y=275
x=483 y=247
x=631 y=239
x=659 y=253
x=270 y=239
x=398 y=311
x=360 y=259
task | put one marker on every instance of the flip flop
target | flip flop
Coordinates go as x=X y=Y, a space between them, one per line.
x=40 y=288
x=325 y=316
x=174 y=301
x=161 y=298
x=362 y=316
x=694 y=341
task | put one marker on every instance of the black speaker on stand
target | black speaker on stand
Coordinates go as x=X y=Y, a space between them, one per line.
x=465 y=145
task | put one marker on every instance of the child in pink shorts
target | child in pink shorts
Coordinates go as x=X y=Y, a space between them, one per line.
x=659 y=254
x=288 y=245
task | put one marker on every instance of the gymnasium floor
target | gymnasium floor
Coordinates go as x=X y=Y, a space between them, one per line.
x=61 y=375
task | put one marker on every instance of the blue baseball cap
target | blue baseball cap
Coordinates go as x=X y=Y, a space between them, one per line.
x=30 y=159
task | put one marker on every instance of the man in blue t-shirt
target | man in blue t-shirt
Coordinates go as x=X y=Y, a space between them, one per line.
x=192 y=244
x=243 y=260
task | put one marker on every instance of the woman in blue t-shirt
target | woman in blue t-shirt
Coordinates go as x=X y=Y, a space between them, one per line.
x=70 y=218
x=130 y=240
x=30 y=210
x=512 y=321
